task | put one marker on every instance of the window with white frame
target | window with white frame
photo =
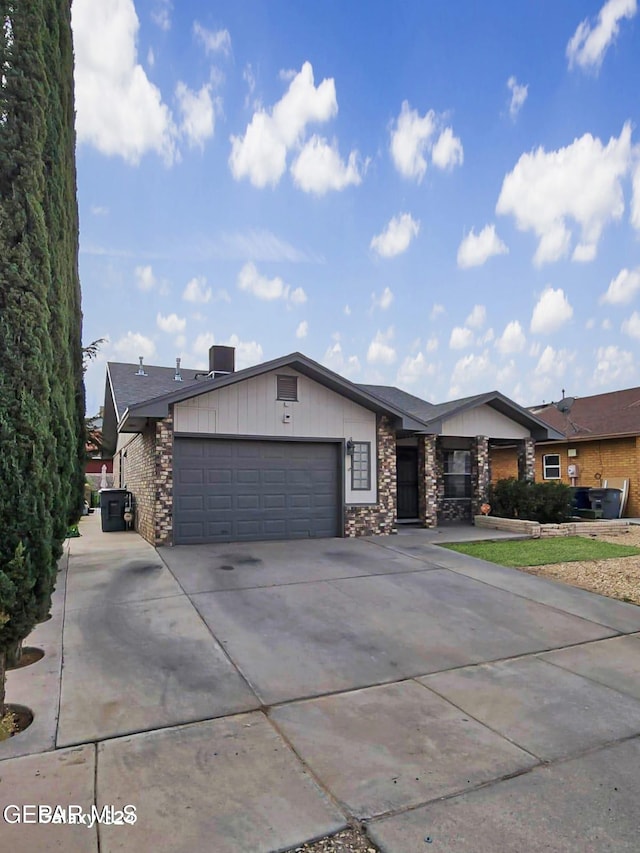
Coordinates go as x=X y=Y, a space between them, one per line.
x=551 y=466
x=361 y=466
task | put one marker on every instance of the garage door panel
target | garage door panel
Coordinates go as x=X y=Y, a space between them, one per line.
x=229 y=489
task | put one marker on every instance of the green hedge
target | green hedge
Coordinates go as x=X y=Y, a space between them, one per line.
x=548 y=503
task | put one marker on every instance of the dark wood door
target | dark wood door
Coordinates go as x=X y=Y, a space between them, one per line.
x=407 y=470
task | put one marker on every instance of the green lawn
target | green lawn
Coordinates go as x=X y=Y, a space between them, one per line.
x=542 y=552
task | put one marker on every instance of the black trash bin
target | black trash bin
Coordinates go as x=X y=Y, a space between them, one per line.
x=607 y=500
x=112 y=504
x=580 y=497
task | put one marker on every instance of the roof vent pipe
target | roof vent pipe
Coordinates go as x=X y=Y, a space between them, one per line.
x=178 y=377
x=222 y=361
x=141 y=368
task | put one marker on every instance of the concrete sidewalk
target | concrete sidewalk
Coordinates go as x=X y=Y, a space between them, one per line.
x=251 y=697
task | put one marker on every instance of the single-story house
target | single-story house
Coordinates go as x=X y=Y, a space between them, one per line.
x=290 y=449
x=600 y=443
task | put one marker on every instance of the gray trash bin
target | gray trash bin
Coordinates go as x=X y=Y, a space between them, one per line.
x=607 y=500
x=112 y=504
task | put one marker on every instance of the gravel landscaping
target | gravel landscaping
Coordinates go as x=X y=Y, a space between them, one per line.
x=617 y=578
x=347 y=841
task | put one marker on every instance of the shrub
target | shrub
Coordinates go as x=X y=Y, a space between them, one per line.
x=548 y=503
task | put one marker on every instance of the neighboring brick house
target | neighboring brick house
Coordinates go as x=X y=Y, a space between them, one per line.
x=289 y=449
x=601 y=438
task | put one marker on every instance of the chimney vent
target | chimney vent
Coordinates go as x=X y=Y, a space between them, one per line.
x=141 y=368
x=178 y=376
x=221 y=361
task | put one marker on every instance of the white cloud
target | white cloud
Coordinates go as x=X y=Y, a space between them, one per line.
x=432 y=345
x=258 y=244
x=172 y=324
x=269 y=289
x=380 y=350
x=635 y=200
x=476 y=249
x=161 y=15
x=133 y=345
x=198 y=117
x=302 y=330
x=119 y=111
x=589 y=43
x=319 y=168
x=410 y=141
x=203 y=343
x=613 y=365
x=623 y=288
x=414 y=369
x=488 y=336
x=334 y=359
x=145 y=279
x=383 y=301
x=213 y=41
x=553 y=362
x=248 y=353
x=99 y=210
x=477 y=318
x=396 y=237
x=512 y=339
x=250 y=280
x=518 y=96
x=551 y=312
x=590 y=324
x=631 y=326
x=461 y=338
x=606 y=324
x=447 y=152
x=472 y=372
x=261 y=153
x=197 y=290
x=581 y=182
x=437 y=310
x=347 y=310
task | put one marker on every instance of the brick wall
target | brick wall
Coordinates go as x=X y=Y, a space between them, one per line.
x=379 y=518
x=139 y=478
x=614 y=457
x=164 y=482
x=427 y=480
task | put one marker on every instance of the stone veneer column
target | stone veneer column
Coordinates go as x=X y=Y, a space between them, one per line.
x=526 y=459
x=379 y=518
x=164 y=482
x=427 y=481
x=480 y=475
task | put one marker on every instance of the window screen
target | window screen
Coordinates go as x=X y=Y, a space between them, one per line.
x=457 y=474
x=551 y=466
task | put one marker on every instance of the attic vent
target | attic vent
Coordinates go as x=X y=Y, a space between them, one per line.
x=287 y=388
x=140 y=371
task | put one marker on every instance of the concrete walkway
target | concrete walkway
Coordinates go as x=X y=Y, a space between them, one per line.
x=250 y=697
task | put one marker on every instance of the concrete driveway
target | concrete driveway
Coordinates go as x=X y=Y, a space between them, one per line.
x=254 y=697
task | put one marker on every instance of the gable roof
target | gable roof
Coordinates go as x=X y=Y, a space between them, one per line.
x=435 y=415
x=612 y=414
x=131 y=399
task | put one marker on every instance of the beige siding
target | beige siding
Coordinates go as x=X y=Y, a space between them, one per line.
x=250 y=408
x=483 y=420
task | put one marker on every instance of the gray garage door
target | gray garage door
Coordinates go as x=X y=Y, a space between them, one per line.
x=227 y=490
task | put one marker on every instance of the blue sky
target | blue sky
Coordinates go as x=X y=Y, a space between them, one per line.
x=441 y=196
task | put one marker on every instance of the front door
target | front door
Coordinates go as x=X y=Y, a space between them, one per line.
x=407 y=470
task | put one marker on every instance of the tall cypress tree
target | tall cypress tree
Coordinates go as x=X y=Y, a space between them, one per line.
x=41 y=391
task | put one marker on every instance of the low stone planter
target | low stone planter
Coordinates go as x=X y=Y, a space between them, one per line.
x=536 y=530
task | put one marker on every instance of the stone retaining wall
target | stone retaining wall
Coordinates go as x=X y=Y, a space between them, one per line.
x=544 y=531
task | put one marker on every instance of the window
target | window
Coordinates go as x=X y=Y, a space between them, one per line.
x=287 y=388
x=361 y=466
x=551 y=466
x=457 y=474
